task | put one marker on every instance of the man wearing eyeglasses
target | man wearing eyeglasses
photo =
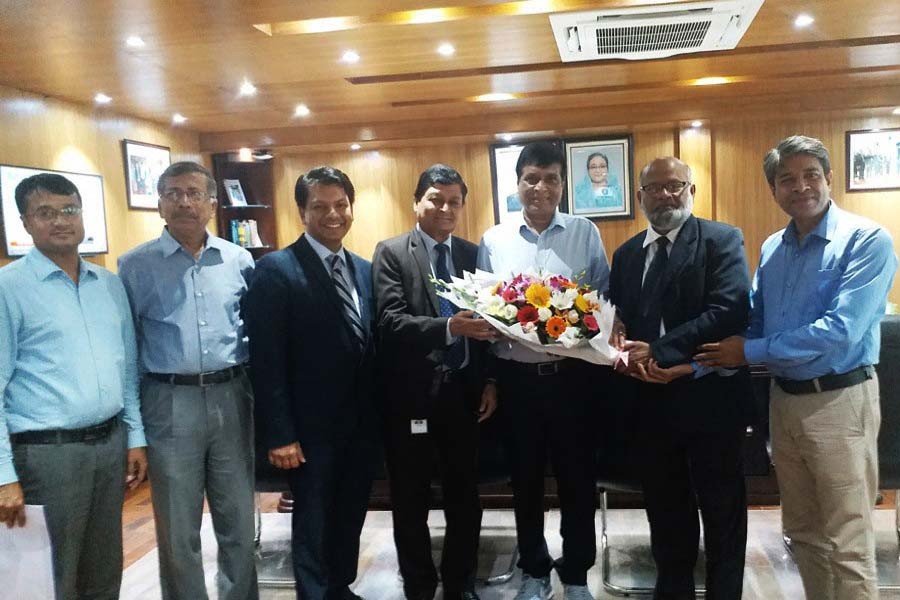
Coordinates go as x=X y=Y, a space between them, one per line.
x=185 y=289
x=545 y=400
x=69 y=404
x=680 y=283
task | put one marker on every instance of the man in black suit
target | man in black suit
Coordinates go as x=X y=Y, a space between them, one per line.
x=432 y=381
x=309 y=314
x=682 y=282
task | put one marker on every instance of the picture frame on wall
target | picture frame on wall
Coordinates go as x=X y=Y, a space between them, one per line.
x=599 y=175
x=505 y=182
x=90 y=187
x=873 y=160
x=144 y=163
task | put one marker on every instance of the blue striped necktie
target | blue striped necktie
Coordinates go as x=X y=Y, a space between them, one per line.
x=348 y=306
x=456 y=353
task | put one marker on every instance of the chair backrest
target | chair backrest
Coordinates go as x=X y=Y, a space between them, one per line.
x=888 y=369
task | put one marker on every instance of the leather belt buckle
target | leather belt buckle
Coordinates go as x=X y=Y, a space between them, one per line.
x=548 y=368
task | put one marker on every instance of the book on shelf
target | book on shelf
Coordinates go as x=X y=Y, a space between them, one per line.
x=245 y=233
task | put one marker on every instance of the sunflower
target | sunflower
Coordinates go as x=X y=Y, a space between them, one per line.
x=556 y=326
x=537 y=295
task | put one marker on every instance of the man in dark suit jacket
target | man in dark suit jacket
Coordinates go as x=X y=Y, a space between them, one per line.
x=309 y=315
x=680 y=283
x=432 y=382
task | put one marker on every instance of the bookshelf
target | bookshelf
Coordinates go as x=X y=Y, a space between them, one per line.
x=258 y=184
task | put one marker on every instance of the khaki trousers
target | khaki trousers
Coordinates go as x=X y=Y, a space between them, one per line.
x=825 y=450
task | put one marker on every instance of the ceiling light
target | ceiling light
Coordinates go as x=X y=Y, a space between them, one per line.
x=102 y=98
x=302 y=110
x=803 y=21
x=134 y=41
x=506 y=137
x=696 y=124
x=355 y=146
x=178 y=118
x=446 y=49
x=494 y=97
x=350 y=57
x=245 y=155
x=247 y=88
x=262 y=155
x=896 y=111
x=710 y=81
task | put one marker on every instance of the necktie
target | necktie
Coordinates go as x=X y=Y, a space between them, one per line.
x=348 y=306
x=650 y=305
x=456 y=353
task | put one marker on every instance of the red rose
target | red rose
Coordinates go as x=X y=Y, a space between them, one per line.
x=590 y=322
x=527 y=314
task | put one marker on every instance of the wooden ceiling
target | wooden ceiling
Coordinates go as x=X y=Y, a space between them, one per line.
x=196 y=55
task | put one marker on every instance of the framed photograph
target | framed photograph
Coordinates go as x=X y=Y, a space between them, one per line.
x=235 y=192
x=873 y=160
x=599 y=177
x=90 y=188
x=505 y=183
x=144 y=163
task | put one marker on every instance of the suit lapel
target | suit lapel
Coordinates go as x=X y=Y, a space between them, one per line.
x=682 y=250
x=363 y=291
x=460 y=258
x=635 y=270
x=423 y=262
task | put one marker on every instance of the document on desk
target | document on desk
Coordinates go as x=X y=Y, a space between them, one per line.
x=26 y=560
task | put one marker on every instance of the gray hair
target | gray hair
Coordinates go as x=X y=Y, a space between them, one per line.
x=791 y=146
x=184 y=168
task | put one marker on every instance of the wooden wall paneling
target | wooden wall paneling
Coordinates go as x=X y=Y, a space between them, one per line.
x=52 y=134
x=695 y=149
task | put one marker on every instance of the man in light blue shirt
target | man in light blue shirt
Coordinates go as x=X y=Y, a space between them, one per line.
x=816 y=306
x=185 y=289
x=544 y=400
x=68 y=381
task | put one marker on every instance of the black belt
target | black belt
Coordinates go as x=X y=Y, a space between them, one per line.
x=66 y=436
x=201 y=379
x=542 y=369
x=826 y=383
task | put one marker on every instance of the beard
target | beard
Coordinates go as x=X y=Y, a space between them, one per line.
x=669 y=218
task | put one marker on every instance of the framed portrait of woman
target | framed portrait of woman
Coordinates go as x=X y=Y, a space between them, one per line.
x=599 y=177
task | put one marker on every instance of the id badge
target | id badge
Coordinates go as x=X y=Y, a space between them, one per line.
x=417 y=426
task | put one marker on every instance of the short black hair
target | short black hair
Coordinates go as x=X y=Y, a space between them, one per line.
x=441 y=174
x=792 y=146
x=322 y=176
x=51 y=183
x=184 y=168
x=540 y=154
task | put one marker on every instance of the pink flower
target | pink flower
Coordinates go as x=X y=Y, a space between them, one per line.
x=590 y=322
x=509 y=295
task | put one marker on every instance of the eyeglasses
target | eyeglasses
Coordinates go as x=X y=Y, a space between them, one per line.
x=551 y=180
x=193 y=195
x=673 y=187
x=48 y=215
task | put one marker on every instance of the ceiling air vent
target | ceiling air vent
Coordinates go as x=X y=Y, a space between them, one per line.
x=659 y=31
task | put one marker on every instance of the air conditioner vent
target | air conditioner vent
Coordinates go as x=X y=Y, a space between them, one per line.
x=660 y=31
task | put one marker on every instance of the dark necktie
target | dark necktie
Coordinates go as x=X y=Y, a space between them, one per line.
x=348 y=306
x=650 y=305
x=456 y=353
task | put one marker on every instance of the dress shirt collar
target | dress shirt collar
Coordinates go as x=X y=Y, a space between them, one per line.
x=430 y=242
x=324 y=253
x=556 y=221
x=43 y=267
x=170 y=245
x=653 y=235
x=824 y=229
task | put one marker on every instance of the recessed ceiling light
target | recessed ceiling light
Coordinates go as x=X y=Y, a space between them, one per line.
x=134 y=41
x=301 y=110
x=494 y=97
x=178 y=118
x=446 y=49
x=896 y=111
x=710 y=81
x=355 y=146
x=245 y=154
x=350 y=57
x=102 y=98
x=696 y=124
x=803 y=21
x=247 y=88
x=262 y=155
x=506 y=137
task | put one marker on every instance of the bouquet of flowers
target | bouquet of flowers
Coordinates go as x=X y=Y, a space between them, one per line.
x=548 y=313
